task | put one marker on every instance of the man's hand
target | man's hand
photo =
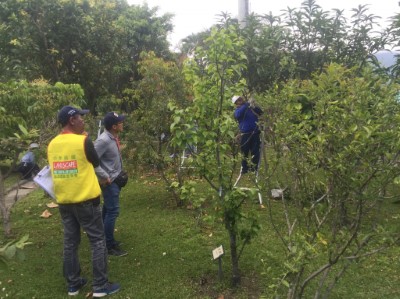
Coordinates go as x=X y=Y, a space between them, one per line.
x=105 y=182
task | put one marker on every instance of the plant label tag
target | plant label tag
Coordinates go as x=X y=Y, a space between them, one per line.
x=218 y=252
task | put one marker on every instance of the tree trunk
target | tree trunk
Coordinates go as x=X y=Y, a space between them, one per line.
x=236 y=277
x=5 y=212
x=344 y=221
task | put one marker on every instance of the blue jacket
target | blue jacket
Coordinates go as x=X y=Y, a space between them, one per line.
x=247 y=118
x=29 y=157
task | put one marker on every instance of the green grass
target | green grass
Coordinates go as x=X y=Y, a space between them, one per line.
x=170 y=254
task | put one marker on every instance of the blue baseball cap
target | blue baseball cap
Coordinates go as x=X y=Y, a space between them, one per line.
x=68 y=111
x=112 y=118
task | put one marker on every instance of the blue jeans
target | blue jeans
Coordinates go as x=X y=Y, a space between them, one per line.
x=86 y=215
x=110 y=212
x=250 y=144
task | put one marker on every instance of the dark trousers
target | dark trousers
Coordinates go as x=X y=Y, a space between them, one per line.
x=28 y=170
x=110 y=212
x=250 y=144
x=86 y=216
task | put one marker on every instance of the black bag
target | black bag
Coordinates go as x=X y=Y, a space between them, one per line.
x=122 y=179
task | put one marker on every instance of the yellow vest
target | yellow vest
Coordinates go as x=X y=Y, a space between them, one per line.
x=73 y=175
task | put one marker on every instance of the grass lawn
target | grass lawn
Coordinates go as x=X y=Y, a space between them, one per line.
x=170 y=254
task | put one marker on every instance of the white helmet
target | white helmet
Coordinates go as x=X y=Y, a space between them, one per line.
x=33 y=145
x=235 y=98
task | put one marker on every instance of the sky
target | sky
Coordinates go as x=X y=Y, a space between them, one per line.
x=195 y=16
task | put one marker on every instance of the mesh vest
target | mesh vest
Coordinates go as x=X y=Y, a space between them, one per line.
x=73 y=175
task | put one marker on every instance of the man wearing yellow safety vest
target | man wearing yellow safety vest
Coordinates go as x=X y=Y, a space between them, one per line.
x=72 y=160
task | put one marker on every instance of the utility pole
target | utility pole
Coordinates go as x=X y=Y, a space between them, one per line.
x=243 y=12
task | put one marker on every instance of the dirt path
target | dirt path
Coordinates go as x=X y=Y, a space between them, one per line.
x=19 y=191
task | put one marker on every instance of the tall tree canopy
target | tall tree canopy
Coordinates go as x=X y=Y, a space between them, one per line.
x=95 y=43
x=302 y=41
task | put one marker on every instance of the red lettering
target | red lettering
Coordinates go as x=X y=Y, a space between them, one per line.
x=65 y=165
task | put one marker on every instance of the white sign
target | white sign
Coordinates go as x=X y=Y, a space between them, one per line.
x=276 y=193
x=218 y=252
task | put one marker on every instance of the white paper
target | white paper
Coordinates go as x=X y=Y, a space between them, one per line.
x=45 y=181
x=217 y=252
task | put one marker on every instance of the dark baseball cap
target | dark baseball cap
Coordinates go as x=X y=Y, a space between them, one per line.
x=112 y=118
x=68 y=111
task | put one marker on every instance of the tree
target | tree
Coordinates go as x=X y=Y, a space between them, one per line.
x=394 y=32
x=336 y=161
x=301 y=41
x=214 y=74
x=28 y=112
x=92 y=43
x=162 y=84
x=317 y=38
x=11 y=147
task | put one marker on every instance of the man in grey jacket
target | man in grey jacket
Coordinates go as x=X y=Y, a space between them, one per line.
x=108 y=149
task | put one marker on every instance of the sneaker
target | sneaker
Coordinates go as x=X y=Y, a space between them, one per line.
x=116 y=251
x=118 y=243
x=110 y=288
x=73 y=291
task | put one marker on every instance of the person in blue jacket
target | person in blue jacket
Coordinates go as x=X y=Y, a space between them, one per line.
x=28 y=166
x=247 y=115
